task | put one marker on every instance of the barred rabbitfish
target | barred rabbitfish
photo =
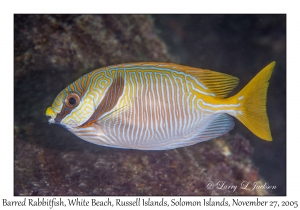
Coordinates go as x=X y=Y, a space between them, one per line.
x=159 y=106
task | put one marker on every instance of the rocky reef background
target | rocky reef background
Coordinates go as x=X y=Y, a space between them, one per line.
x=51 y=51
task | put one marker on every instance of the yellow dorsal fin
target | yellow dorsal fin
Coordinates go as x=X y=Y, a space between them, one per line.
x=218 y=83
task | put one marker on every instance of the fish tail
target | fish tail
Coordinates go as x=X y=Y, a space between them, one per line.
x=253 y=97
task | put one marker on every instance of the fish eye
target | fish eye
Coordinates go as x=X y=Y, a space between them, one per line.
x=72 y=100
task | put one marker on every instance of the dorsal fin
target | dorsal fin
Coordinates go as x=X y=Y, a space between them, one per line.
x=218 y=83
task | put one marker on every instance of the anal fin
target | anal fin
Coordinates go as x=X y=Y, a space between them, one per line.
x=221 y=125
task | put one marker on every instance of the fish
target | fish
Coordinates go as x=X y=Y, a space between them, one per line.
x=160 y=106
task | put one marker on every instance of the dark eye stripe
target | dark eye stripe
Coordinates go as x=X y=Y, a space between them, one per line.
x=64 y=111
x=80 y=87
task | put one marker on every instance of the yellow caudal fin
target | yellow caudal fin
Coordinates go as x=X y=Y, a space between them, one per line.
x=253 y=98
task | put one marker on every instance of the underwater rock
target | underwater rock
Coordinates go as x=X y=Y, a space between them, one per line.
x=53 y=50
x=81 y=43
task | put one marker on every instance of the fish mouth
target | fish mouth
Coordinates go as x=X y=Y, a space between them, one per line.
x=50 y=113
x=51 y=120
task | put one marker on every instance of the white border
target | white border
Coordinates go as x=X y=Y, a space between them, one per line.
x=154 y=6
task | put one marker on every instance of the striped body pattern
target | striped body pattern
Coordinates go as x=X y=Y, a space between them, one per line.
x=149 y=106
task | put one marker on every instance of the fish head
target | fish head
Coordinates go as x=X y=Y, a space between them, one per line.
x=64 y=107
x=75 y=105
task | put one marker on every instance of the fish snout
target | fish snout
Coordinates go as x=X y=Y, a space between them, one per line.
x=50 y=113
